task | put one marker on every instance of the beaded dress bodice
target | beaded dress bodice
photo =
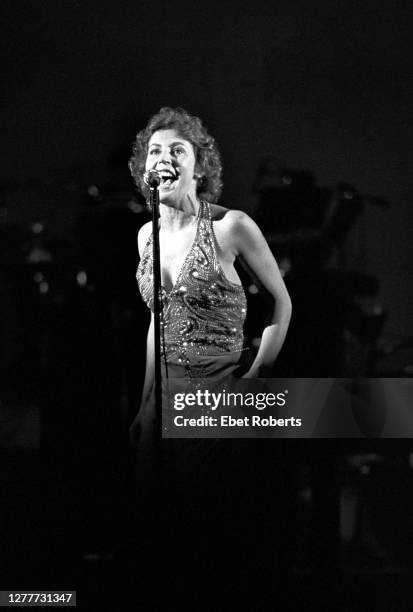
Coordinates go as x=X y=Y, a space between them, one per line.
x=204 y=312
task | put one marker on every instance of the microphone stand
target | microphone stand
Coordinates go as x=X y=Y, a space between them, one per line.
x=157 y=305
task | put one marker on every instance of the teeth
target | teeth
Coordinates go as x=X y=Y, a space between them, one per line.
x=167 y=179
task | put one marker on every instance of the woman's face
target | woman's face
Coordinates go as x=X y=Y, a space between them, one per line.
x=174 y=158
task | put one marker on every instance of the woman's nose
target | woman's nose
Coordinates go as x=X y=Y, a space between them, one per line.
x=165 y=157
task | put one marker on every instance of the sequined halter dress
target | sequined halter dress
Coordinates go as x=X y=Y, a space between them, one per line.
x=203 y=314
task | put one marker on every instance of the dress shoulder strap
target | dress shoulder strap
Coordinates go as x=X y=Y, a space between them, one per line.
x=205 y=212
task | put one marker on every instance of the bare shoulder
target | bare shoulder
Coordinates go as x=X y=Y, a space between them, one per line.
x=234 y=229
x=230 y=220
x=143 y=235
x=228 y=216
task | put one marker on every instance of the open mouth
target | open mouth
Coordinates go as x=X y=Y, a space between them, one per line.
x=167 y=178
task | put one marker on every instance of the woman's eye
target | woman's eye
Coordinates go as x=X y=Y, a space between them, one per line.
x=179 y=151
x=154 y=152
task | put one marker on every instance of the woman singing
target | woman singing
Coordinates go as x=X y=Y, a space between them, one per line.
x=204 y=304
x=209 y=496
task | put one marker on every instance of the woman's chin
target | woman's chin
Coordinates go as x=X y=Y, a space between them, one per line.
x=170 y=188
x=167 y=200
x=175 y=198
x=166 y=193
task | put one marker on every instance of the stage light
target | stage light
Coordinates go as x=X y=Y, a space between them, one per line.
x=44 y=287
x=38 y=277
x=378 y=310
x=285 y=266
x=81 y=278
x=348 y=195
x=37 y=227
x=93 y=191
x=135 y=207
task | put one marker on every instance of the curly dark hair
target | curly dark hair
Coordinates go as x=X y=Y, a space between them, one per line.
x=207 y=157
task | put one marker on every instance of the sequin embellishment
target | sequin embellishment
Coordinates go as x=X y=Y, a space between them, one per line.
x=204 y=312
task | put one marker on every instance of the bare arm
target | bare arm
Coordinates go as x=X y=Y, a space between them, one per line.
x=150 y=365
x=143 y=236
x=248 y=243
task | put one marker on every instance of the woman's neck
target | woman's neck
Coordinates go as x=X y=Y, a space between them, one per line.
x=174 y=218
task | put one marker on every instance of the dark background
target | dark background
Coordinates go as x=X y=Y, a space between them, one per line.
x=325 y=87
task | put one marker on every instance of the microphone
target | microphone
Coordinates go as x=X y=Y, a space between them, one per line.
x=152 y=178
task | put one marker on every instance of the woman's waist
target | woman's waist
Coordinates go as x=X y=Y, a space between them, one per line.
x=189 y=364
x=204 y=343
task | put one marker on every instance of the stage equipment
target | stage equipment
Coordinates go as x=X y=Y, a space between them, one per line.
x=153 y=180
